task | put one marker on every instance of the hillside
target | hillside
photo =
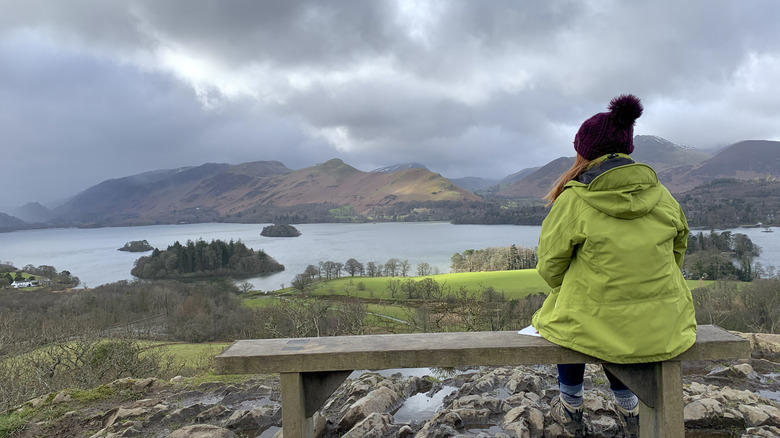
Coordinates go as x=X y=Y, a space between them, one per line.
x=214 y=192
x=723 y=203
x=8 y=223
x=32 y=212
x=745 y=160
x=400 y=166
x=538 y=183
x=662 y=154
x=680 y=168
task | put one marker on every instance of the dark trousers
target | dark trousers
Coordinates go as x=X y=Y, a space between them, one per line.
x=573 y=374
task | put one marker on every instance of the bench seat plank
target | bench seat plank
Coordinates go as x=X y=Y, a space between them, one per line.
x=415 y=350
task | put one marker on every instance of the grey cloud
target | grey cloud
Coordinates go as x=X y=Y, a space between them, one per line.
x=477 y=88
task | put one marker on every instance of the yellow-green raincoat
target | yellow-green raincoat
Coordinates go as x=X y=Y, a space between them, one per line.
x=612 y=249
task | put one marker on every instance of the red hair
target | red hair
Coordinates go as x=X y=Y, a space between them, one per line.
x=576 y=169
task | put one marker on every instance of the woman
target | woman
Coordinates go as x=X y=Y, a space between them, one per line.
x=612 y=248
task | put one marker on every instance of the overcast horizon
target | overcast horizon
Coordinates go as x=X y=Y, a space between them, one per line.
x=94 y=90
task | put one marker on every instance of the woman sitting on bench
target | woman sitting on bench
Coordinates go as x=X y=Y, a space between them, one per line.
x=612 y=248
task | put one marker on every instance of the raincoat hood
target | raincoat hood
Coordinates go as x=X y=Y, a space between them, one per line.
x=619 y=187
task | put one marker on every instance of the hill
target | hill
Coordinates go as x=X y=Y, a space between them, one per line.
x=745 y=160
x=214 y=192
x=662 y=154
x=32 y=212
x=725 y=203
x=474 y=183
x=401 y=166
x=538 y=183
x=657 y=152
x=8 y=223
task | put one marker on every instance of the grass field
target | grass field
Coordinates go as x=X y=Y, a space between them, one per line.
x=514 y=284
x=383 y=308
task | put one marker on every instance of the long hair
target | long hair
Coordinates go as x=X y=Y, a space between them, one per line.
x=579 y=166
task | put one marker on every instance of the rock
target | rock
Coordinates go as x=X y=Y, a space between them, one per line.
x=375 y=425
x=696 y=388
x=761 y=432
x=452 y=418
x=185 y=415
x=520 y=429
x=699 y=412
x=120 y=414
x=473 y=416
x=754 y=415
x=210 y=386
x=380 y=400
x=61 y=397
x=255 y=421
x=531 y=419
x=202 y=431
x=415 y=385
x=146 y=403
x=525 y=383
x=405 y=431
x=217 y=413
x=763 y=345
x=320 y=424
x=729 y=394
x=150 y=382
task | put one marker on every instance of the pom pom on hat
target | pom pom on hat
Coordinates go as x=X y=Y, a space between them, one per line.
x=625 y=109
x=609 y=132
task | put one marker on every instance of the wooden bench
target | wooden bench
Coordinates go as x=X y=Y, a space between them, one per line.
x=311 y=369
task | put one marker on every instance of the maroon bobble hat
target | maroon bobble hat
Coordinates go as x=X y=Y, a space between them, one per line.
x=609 y=132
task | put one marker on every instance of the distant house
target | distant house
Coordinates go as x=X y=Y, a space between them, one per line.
x=21 y=284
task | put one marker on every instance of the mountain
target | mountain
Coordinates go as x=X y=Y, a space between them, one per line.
x=32 y=212
x=402 y=166
x=662 y=154
x=474 y=183
x=214 y=192
x=9 y=223
x=517 y=176
x=654 y=151
x=746 y=160
x=538 y=183
x=137 y=197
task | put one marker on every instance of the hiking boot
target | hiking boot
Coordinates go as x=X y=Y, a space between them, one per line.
x=569 y=417
x=629 y=421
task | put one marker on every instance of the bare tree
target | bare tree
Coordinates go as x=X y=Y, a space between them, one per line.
x=405 y=267
x=423 y=269
x=391 y=267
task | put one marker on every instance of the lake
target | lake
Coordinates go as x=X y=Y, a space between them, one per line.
x=92 y=255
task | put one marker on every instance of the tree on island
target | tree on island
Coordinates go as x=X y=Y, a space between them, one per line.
x=280 y=230
x=199 y=259
x=137 y=246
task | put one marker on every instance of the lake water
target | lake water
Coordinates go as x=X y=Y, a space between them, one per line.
x=91 y=254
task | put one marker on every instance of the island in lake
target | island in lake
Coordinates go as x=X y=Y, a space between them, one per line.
x=280 y=230
x=200 y=260
x=137 y=246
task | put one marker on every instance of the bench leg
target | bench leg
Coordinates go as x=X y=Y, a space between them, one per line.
x=295 y=423
x=666 y=418
x=303 y=394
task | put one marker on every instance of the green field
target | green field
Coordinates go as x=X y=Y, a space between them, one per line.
x=514 y=284
x=386 y=310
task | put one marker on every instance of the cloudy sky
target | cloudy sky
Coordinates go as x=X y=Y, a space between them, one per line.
x=96 y=89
